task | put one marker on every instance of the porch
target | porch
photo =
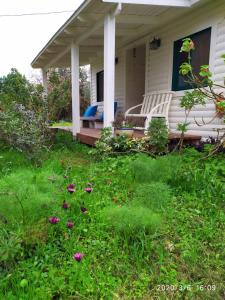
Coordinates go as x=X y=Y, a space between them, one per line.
x=114 y=37
x=89 y=136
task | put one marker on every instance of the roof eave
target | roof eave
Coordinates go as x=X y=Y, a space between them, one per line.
x=62 y=28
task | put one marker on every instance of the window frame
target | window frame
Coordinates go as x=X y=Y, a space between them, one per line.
x=176 y=61
x=99 y=75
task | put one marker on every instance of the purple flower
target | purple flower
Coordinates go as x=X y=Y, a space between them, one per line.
x=65 y=205
x=88 y=189
x=71 y=188
x=54 y=220
x=78 y=256
x=65 y=176
x=69 y=224
x=83 y=209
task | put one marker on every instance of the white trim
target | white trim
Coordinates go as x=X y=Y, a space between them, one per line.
x=45 y=80
x=75 y=88
x=176 y=3
x=109 y=68
x=62 y=28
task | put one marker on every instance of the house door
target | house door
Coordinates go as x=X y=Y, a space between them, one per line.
x=135 y=76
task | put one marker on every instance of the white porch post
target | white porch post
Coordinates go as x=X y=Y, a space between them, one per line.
x=44 y=80
x=109 y=69
x=75 y=88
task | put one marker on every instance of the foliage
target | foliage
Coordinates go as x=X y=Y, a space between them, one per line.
x=23 y=115
x=162 y=169
x=15 y=88
x=131 y=220
x=154 y=195
x=24 y=131
x=158 y=135
x=204 y=89
x=170 y=247
x=154 y=142
x=59 y=94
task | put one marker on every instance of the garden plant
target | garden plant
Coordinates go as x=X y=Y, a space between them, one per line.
x=125 y=227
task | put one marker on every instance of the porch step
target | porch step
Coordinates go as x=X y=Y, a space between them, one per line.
x=88 y=136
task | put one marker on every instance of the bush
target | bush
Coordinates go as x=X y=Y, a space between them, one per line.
x=131 y=220
x=24 y=130
x=158 y=135
x=152 y=195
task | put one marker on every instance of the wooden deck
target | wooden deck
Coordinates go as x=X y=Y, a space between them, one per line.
x=89 y=136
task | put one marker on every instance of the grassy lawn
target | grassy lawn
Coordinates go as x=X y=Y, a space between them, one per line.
x=153 y=229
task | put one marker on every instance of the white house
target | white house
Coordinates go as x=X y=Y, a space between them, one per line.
x=115 y=37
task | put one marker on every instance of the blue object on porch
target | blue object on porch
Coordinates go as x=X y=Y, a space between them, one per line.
x=90 y=111
x=101 y=114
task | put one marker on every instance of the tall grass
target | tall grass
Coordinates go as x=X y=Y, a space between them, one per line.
x=163 y=169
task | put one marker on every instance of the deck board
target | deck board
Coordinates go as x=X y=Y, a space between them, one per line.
x=89 y=136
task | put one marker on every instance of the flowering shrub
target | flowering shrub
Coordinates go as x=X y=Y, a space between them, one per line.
x=24 y=130
x=204 y=88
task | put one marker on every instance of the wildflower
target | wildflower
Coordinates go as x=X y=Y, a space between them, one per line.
x=65 y=205
x=83 y=209
x=71 y=188
x=65 y=176
x=53 y=220
x=78 y=256
x=69 y=224
x=88 y=189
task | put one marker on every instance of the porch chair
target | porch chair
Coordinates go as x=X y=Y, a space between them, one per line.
x=92 y=118
x=154 y=105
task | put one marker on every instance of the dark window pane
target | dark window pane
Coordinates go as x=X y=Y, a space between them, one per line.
x=100 y=86
x=199 y=57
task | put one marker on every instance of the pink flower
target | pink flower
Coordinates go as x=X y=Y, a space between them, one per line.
x=54 y=220
x=69 y=224
x=71 y=188
x=83 y=209
x=65 y=205
x=88 y=189
x=78 y=256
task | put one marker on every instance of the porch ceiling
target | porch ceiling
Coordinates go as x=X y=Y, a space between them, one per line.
x=85 y=26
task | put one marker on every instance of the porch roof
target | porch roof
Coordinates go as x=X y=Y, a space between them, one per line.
x=86 y=28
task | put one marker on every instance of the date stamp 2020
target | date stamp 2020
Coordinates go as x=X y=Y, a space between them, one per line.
x=188 y=287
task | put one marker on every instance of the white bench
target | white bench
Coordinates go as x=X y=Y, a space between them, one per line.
x=155 y=104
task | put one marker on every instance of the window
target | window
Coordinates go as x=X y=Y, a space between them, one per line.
x=200 y=56
x=100 y=86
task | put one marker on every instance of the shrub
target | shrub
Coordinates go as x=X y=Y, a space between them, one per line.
x=130 y=220
x=158 y=135
x=152 y=195
x=24 y=130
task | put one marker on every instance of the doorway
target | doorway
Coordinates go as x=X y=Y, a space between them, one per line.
x=135 y=75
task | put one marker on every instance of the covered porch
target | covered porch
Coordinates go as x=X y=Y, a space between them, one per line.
x=100 y=30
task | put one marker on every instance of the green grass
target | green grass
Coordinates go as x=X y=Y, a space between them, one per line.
x=152 y=224
x=62 y=123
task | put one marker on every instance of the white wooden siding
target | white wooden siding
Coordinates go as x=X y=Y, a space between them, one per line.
x=159 y=64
